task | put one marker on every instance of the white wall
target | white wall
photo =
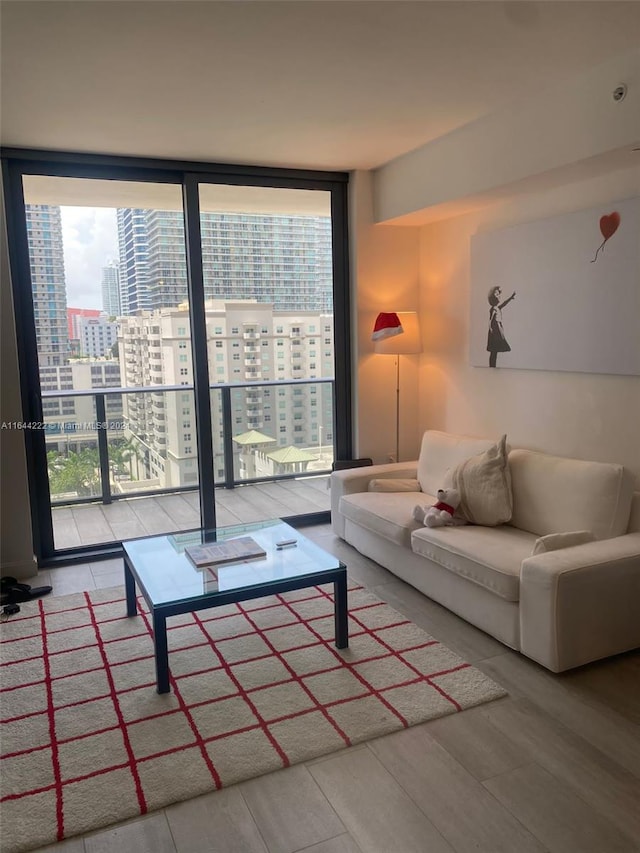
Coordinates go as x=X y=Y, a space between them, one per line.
x=566 y=149
x=575 y=122
x=588 y=416
x=384 y=274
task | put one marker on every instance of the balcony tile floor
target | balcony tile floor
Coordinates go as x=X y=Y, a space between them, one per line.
x=90 y=524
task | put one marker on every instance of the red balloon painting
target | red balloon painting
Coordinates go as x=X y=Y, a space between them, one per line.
x=608 y=227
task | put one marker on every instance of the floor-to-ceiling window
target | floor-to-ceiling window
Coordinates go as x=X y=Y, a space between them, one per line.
x=182 y=344
x=267 y=266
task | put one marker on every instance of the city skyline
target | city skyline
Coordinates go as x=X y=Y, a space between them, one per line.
x=140 y=385
x=277 y=261
x=280 y=259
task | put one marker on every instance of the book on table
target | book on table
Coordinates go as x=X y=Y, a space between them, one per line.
x=228 y=551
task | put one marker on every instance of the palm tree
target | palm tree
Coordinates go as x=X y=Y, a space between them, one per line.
x=77 y=472
x=121 y=453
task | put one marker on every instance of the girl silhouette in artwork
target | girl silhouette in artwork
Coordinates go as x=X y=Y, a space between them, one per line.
x=496 y=341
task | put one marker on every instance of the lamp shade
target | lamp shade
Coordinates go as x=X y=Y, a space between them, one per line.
x=404 y=342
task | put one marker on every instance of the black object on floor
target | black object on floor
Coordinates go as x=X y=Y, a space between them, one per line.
x=341 y=464
x=11 y=592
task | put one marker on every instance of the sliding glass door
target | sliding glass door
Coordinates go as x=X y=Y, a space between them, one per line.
x=267 y=273
x=111 y=317
x=178 y=331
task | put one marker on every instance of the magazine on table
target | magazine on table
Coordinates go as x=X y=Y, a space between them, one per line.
x=228 y=551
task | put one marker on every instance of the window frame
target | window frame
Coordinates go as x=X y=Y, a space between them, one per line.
x=18 y=162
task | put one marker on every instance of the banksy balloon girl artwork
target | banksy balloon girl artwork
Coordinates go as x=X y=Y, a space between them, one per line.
x=577 y=280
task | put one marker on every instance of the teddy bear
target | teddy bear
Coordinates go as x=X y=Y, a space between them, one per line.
x=441 y=513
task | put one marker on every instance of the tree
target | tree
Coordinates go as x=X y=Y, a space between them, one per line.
x=76 y=472
x=120 y=454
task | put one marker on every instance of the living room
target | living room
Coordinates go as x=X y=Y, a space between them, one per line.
x=542 y=137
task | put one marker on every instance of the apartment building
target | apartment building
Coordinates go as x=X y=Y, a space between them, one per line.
x=70 y=418
x=46 y=260
x=281 y=259
x=248 y=342
x=96 y=335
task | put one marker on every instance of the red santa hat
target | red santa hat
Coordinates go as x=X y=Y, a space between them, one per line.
x=386 y=326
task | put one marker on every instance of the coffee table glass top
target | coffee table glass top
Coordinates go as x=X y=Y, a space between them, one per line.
x=169 y=576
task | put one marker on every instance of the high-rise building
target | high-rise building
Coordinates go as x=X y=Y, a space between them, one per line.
x=46 y=258
x=284 y=260
x=133 y=253
x=111 y=290
x=247 y=342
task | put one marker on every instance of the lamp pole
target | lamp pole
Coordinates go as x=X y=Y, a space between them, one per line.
x=397 y=333
x=398 y=407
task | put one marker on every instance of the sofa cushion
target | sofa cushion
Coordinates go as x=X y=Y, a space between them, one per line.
x=488 y=556
x=440 y=452
x=552 y=494
x=391 y=516
x=556 y=541
x=484 y=485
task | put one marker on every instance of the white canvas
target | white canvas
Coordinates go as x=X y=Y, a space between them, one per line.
x=577 y=301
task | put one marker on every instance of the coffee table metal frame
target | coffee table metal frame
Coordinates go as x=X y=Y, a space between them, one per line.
x=161 y=612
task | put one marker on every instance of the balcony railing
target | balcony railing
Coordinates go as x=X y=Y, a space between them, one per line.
x=243 y=462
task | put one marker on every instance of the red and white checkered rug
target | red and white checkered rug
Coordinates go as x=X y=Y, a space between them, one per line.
x=257 y=686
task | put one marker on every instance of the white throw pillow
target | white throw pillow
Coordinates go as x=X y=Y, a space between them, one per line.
x=390 y=485
x=555 y=541
x=484 y=484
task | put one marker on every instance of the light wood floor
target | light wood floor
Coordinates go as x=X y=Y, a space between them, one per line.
x=555 y=766
x=90 y=524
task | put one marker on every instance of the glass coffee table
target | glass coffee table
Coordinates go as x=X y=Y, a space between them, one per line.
x=171 y=584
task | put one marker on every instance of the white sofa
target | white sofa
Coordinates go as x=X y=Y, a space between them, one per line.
x=562 y=608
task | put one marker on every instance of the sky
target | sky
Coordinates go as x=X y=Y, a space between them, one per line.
x=90 y=239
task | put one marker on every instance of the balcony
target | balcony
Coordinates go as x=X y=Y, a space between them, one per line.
x=146 y=516
x=123 y=490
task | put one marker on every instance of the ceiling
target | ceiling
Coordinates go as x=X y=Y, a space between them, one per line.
x=308 y=83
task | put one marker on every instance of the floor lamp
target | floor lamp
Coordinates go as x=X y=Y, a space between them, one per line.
x=397 y=333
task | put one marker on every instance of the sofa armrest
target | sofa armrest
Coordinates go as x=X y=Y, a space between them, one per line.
x=350 y=481
x=581 y=604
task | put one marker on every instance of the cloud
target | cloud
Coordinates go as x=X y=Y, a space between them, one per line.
x=90 y=238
